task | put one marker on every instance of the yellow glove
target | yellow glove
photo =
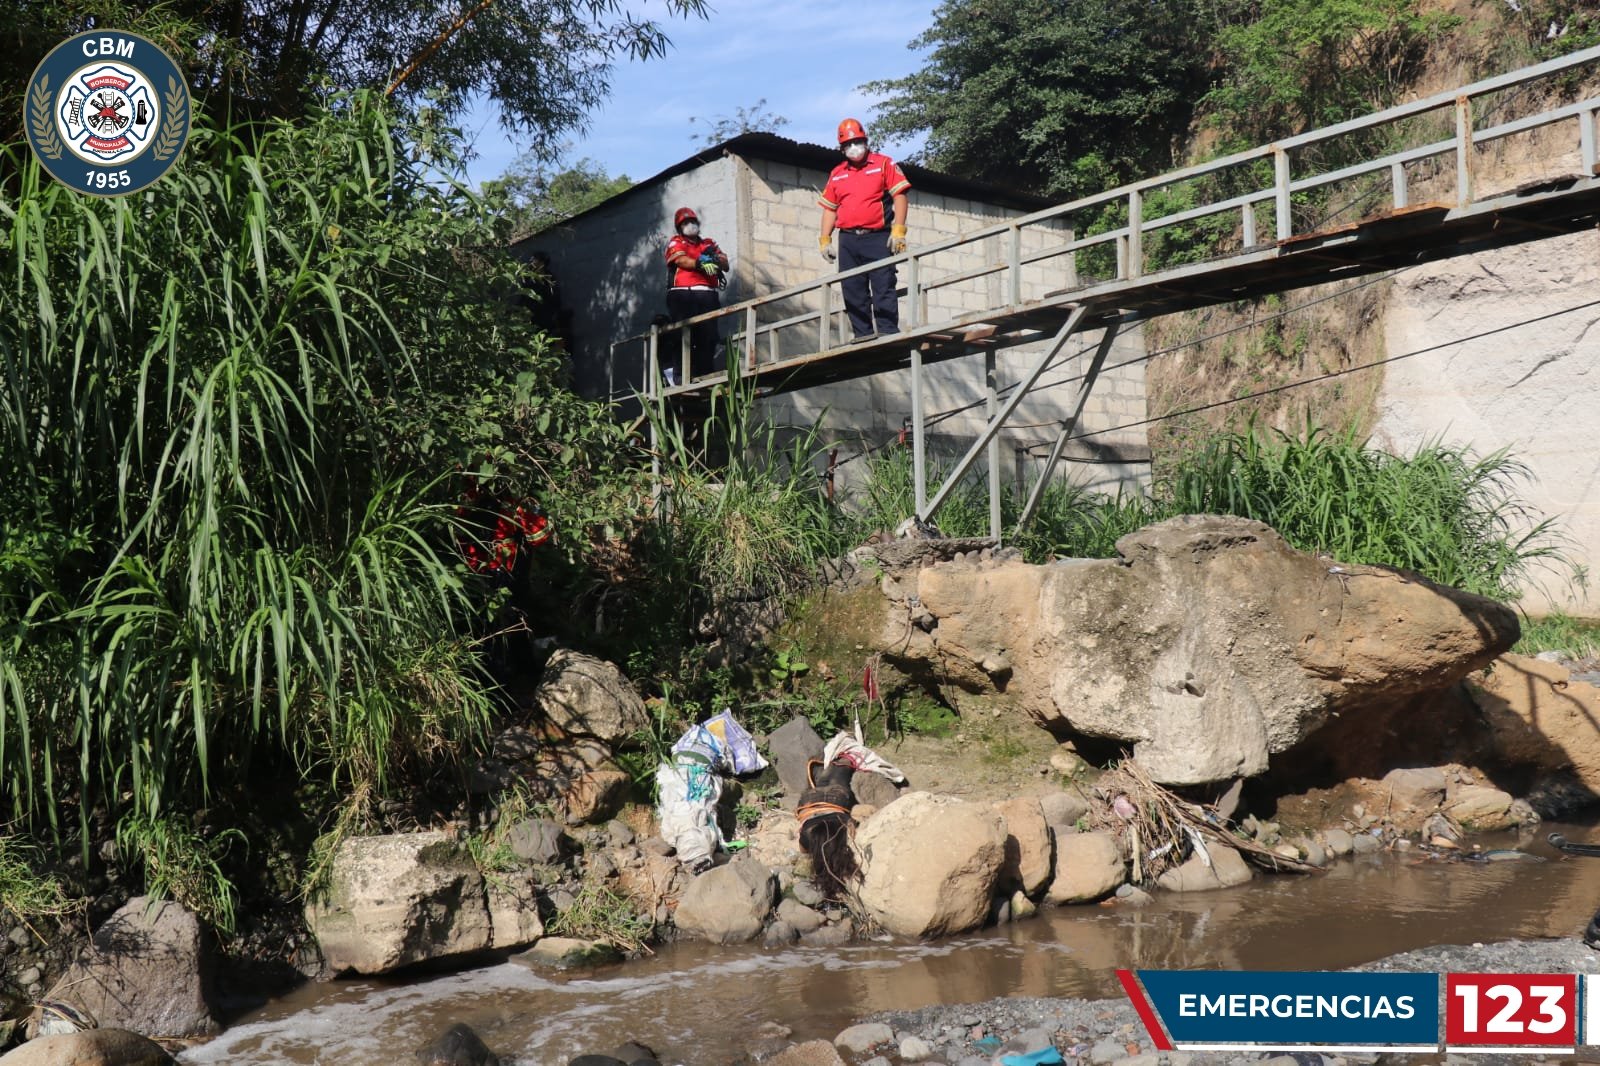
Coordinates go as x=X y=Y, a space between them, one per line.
x=825 y=243
x=897 y=238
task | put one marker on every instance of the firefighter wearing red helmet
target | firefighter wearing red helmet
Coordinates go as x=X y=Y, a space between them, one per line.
x=865 y=199
x=696 y=268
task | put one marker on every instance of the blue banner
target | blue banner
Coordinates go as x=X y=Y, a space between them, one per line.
x=1266 y=1007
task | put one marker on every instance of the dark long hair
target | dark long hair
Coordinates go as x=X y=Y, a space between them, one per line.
x=826 y=840
x=825 y=836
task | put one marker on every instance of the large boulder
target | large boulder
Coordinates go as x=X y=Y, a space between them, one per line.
x=1226 y=869
x=792 y=746
x=728 y=904
x=400 y=899
x=94 y=1047
x=596 y=796
x=1208 y=646
x=1030 y=855
x=931 y=864
x=1089 y=866
x=1542 y=718
x=512 y=899
x=584 y=695
x=148 y=968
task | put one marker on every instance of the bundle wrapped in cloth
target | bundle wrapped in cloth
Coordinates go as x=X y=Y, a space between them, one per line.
x=689 y=786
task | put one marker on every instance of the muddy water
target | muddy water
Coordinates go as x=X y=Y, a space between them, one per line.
x=699 y=1004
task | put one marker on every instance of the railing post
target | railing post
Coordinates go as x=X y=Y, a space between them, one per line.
x=1586 y=140
x=750 y=337
x=1248 y=213
x=991 y=405
x=1463 y=151
x=919 y=455
x=1397 y=181
x=1072 y=259
x=685 y=369
x=652 y=393
x=824 y=327
x=1014 y=261
x=1135 y=233
x=1280 y=183
x=914 y=289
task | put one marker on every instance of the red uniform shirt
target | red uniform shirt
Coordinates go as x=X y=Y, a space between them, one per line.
x=863 y=196
x=693 y=247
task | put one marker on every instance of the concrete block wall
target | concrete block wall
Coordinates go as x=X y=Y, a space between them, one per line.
x=609 y=266
x=608 y=263
x=865 y=413
x=782 y=253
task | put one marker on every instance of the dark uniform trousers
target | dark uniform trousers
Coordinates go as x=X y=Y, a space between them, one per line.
x=869 y=298
x=703 y=339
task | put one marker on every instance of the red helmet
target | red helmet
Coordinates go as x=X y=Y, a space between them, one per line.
x=850 y=130
x=684 y=215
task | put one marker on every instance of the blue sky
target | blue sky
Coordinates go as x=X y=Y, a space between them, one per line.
x=807 y=59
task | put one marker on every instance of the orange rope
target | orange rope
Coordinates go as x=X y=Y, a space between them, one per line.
x=806 y=812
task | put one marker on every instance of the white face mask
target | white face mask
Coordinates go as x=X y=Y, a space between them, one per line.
x=855 y=152
x=691 y=229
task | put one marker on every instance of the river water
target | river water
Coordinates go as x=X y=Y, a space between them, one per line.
x=696 y=1003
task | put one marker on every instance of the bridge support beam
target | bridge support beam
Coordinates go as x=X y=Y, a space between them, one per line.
x=926 y=512
x=1069 y=423
x=991 y=404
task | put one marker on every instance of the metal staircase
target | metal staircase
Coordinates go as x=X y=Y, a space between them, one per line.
x=1262 y=242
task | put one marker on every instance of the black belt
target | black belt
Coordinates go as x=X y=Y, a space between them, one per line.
x=860 y=230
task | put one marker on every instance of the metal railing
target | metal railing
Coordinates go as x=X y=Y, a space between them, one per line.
x=816 y=328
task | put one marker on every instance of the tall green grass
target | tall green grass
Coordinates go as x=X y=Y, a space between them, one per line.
x=228 y=409
x=1442 y=511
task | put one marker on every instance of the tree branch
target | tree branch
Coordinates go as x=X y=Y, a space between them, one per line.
x=437 y=43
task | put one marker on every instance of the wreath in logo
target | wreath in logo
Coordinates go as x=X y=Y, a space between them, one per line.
x=173 y=122
x=47 y=142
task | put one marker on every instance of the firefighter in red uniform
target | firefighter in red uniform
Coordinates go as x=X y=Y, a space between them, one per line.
x=698 y=268
x=865 y=199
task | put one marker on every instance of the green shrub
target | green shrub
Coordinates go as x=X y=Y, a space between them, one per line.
x=232 y=412
x=1442 y=511
x=26 y=893
x=1577 y=638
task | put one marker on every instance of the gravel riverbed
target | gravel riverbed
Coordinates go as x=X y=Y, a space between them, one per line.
x=1109 y=1032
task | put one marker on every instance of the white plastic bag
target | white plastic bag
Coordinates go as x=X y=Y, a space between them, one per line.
x=739 y=747
x=687 y=791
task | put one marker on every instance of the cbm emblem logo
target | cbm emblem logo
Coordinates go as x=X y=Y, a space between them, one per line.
x=107 y=112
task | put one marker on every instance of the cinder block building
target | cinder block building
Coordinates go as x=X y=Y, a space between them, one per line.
x=756 y=196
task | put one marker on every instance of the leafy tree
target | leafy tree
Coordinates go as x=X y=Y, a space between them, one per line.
x=531 y=196
x=753 y=119
x=545 y=62
x=1293 y=65
x=1062 y=97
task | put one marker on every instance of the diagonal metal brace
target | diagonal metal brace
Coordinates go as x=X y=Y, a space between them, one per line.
x=999 y=420
x=1069 y=423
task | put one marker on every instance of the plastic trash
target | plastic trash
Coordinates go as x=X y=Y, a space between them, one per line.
x=1042 y=1057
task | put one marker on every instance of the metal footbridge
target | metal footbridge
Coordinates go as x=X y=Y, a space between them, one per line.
x=1241 y=226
